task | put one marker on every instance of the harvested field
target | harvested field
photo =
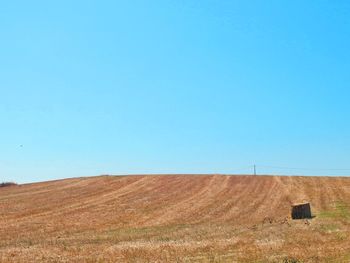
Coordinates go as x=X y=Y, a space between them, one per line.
x=175 y=218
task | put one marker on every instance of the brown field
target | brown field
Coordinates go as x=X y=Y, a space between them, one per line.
x=175 y=218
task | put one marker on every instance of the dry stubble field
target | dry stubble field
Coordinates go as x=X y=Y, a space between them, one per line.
x=175 y=218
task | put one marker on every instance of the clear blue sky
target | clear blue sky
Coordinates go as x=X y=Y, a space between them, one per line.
x=94 y=87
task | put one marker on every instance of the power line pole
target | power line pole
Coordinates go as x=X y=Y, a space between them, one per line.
x=254 y=169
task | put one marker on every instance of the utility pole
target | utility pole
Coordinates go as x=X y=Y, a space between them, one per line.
x=254 y=169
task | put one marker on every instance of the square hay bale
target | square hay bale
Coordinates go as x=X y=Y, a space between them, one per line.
x=301 y=211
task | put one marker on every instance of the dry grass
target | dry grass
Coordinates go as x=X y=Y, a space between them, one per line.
x=175 y=218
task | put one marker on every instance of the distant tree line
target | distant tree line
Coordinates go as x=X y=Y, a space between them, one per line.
x=4 y=184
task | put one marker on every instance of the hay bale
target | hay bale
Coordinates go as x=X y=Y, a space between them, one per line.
x=301 y=211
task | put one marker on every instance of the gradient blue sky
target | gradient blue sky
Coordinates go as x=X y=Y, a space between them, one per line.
x=94 y=87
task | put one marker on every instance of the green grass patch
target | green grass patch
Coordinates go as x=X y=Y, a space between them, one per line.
x=329 y=228
x=340 y=211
